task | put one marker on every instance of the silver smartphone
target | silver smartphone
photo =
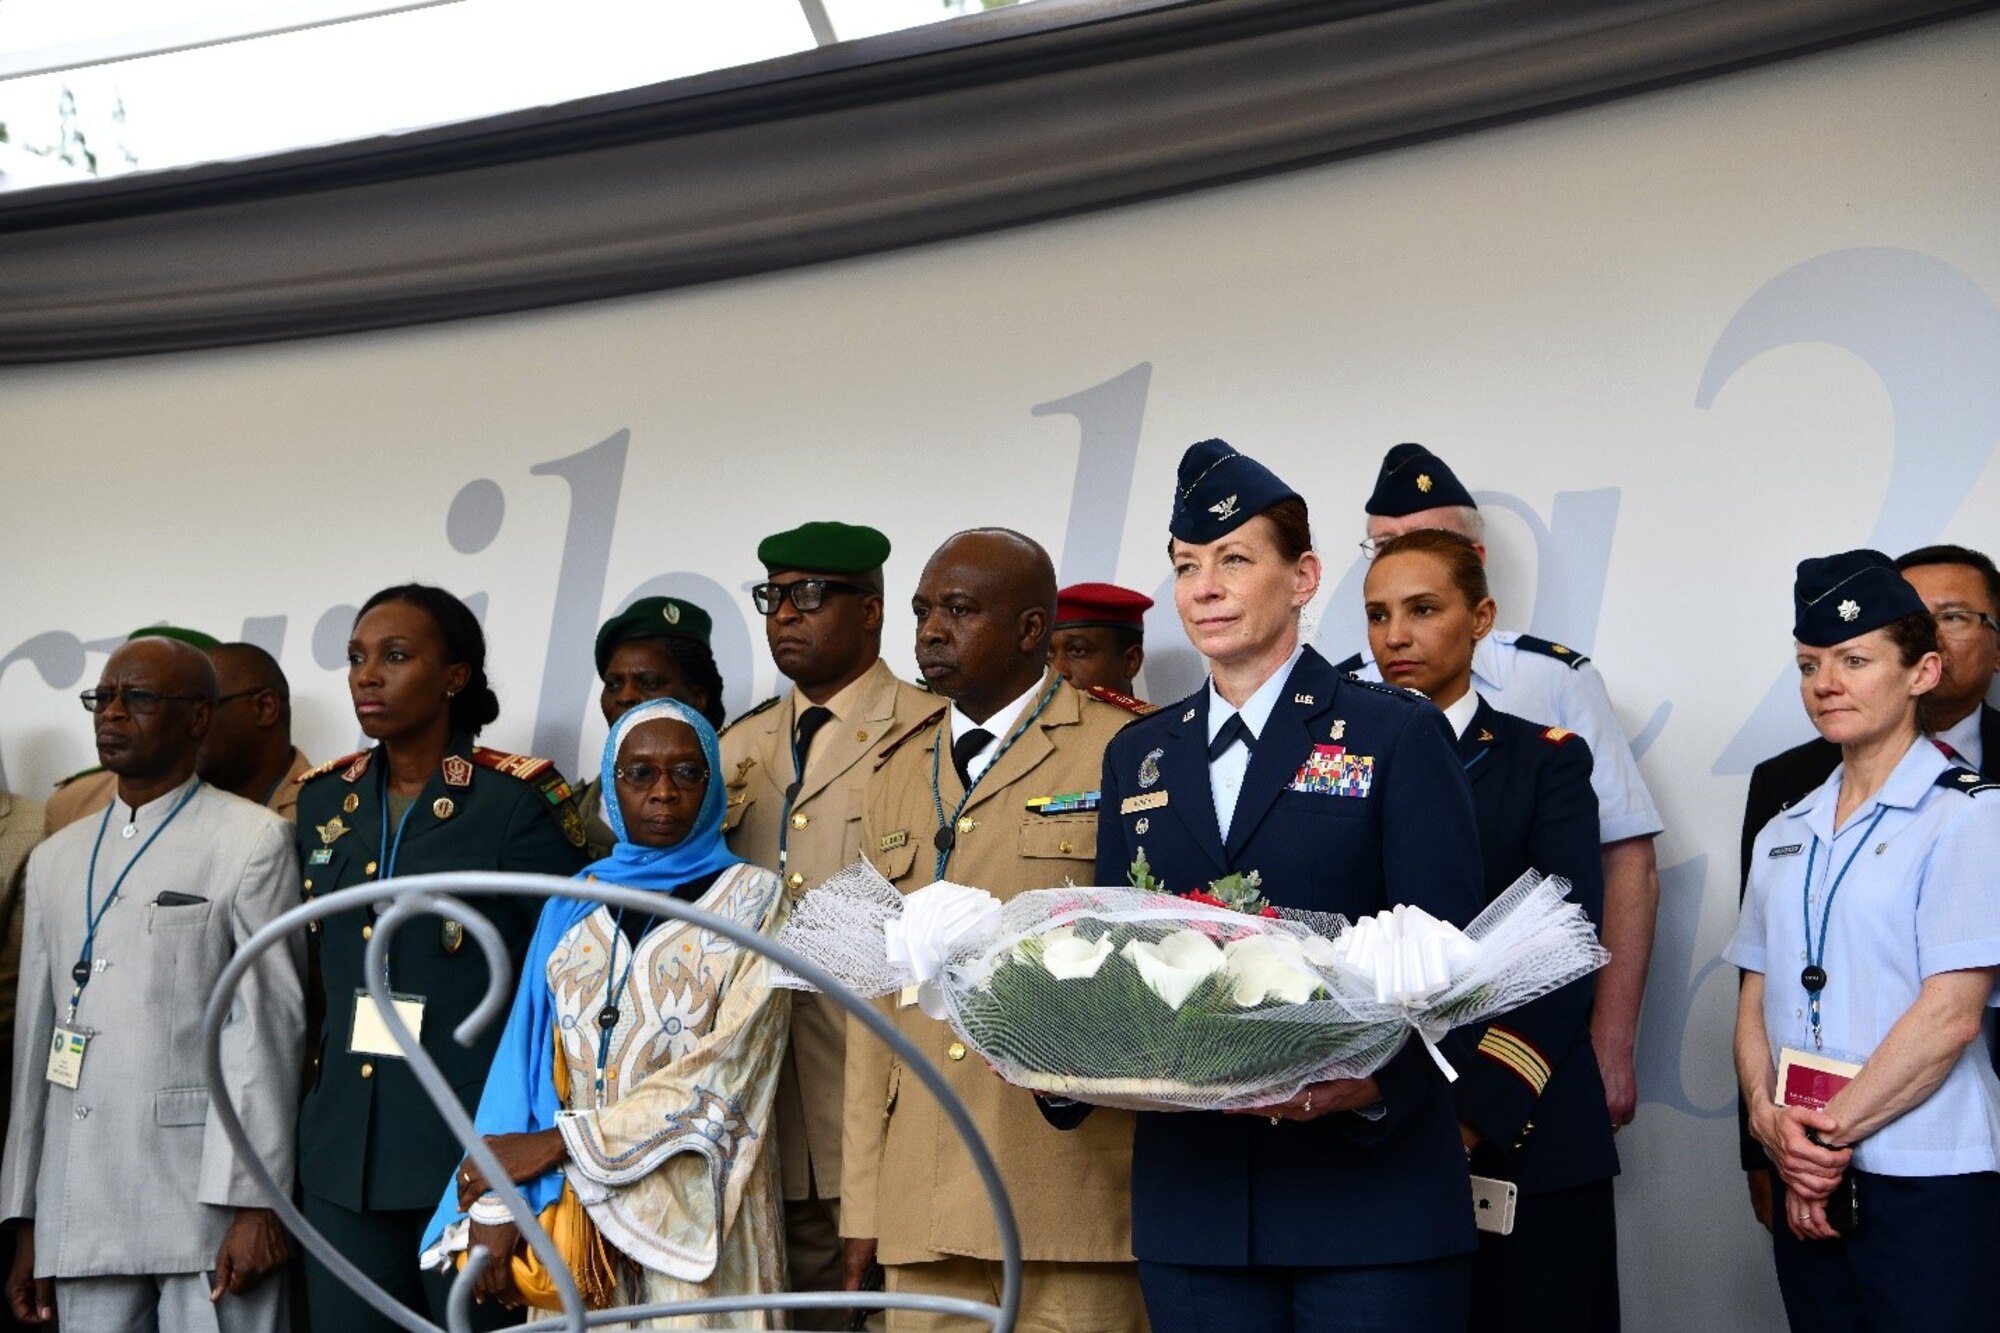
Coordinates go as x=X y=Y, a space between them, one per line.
x=1493 y=1204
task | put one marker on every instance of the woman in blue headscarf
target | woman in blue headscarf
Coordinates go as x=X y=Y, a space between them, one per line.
x=639 y=1062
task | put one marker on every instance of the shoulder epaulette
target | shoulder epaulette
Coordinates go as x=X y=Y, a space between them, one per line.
x=1967 y=781
x=745 y=717
x=1556 y=735
x=1408 y=696
x=1349 y=665
x=523 y=766
x=1569 y=657
x=1105 y=694
x=80 y=773
x=882 y=756
x=329 y=766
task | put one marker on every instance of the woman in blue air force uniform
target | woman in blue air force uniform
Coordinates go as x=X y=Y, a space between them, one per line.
x=1871 y=933
x=1347 y=1207
x=1531 y=1102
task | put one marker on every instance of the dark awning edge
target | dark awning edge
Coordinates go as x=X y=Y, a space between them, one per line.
x=986 y=122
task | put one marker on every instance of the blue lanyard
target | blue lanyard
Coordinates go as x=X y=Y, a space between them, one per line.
x=93 y=915
x=945 y=840
x=1467 y=765
x=1816 y=957
x=607 y=1018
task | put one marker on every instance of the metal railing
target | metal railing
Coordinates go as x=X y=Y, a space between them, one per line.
x=437 y=895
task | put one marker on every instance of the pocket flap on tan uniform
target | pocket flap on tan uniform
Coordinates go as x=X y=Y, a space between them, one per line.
x=181 y=1106
x=893 y=855
x=1073 y=837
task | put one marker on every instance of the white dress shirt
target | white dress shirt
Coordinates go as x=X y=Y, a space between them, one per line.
x=999 y=727
x=1226 y=770
x=1460 y=713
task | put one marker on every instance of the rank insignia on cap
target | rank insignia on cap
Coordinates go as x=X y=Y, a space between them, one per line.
x=1226 y=509
x=457 y=771
x=331 y=829
x=1149 y=767
x=672 y=613
x=1132 y=805
x=1424 y=482
x=1850 y=610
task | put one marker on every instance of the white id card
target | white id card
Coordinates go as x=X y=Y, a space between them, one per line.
x=1493 y=1203
x=371 y=1036
x=66 y=1049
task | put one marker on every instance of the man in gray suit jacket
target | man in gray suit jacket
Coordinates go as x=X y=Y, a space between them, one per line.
x=134 y=1210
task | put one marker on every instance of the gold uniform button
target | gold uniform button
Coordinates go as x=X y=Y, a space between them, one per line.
x=795 y=880
x=1064 y=847
x=367 y=932
x=800 y=821
x=367 y=1070
x=967 y=824
x=956 y=1050
x=308 y=886
x=368 y=869
x=861 y=736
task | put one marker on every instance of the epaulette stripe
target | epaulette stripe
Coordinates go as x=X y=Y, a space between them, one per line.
x=526 y=767
x=1517 y=1054
x=1105 y=694
x=1966 y=780
x=1570 y=657
x=745 y=717
x=1557 y=735
x=328 y=767
x=1348 y=666
x=1393 y=691
x=897 y=744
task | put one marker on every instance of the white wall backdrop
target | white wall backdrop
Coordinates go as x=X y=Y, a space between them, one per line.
x=1674 y=343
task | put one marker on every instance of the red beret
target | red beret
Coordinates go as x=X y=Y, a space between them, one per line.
x=1082 y=605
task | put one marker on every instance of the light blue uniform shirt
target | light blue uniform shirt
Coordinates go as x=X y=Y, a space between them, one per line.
x=1920 y=899
x=1554 y=693
x=1226 y=770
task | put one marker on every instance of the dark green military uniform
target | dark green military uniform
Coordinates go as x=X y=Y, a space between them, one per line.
x=374 y=1154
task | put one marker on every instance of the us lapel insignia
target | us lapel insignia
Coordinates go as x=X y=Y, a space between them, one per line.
x=451 y=935
x=1149 y=767
x=457 y=771
x=1305 y=699
x=1339 y=732
x=330 y=830
x=1188 y=716
x=444 y=807
x=351 y=804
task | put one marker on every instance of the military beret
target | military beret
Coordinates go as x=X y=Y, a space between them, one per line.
x=825 y=548
x=652 y=618
x=1838 y=597
x=1219 y=490
x=192 y=637
x=1084 y=605
x=1412 y=480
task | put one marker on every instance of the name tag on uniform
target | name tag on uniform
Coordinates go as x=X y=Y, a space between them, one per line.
x=66 y=1048
x=371 y=1036
x=1789 y=849
x=1151 y=800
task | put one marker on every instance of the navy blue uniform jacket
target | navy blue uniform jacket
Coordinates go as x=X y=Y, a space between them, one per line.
x=1533 y=1088
x=1209 y=1188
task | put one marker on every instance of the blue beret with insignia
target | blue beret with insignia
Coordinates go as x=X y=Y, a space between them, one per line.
x=1839 y=597
x=1412 y=480
x=1219 y=490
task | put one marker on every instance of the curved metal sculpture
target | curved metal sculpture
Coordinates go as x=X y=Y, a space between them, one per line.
x=422 y=895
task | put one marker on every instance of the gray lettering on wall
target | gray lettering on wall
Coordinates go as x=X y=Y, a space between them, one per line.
x=594 y=477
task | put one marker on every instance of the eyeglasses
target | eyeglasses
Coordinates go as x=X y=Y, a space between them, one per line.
x=1370 y=545
x=644 y=777
x=1956 y=623
x=140 y=702
x=806 y=594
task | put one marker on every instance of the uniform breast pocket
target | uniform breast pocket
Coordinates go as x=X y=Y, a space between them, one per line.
x=177 y=911
x=1324 y=805
x=894 y=855
x=1059 y=837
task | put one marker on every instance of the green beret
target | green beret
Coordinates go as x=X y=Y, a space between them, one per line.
x=193 y=637
x=652 y=618
x=825 y=548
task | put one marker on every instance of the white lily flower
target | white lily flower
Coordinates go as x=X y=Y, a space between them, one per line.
x=1271 y=966
x=1176 y=965
x=1067 y=956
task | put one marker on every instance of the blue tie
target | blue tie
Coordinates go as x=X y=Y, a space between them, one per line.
x=1232 y=731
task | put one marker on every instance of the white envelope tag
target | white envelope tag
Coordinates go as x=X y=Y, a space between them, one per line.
x=66 y=1048
x=371 y=1036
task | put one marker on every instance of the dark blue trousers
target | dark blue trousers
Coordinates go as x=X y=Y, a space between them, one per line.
x=1428 y=1297
x=1558 y=1271
x=1921 y=1258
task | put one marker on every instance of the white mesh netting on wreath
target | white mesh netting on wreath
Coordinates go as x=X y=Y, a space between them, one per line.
x=1126 y=997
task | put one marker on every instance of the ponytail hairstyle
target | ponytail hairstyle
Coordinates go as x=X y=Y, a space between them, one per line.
x=473 y=707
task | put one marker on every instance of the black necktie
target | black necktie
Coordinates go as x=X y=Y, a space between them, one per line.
x=964 y=748
x=1232 y=731
x=810 y=722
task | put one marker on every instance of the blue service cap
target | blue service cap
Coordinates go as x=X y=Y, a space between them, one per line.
x=1412 y=480
x=1839 y=597
x=1219 y=490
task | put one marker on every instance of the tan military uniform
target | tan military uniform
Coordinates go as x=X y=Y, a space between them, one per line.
x=87 y=793
x=598 y=839
x=21 y=827
x=822 y=833
x=908 y=1181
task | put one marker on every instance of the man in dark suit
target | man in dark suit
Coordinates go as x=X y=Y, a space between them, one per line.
x=1962 y=589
